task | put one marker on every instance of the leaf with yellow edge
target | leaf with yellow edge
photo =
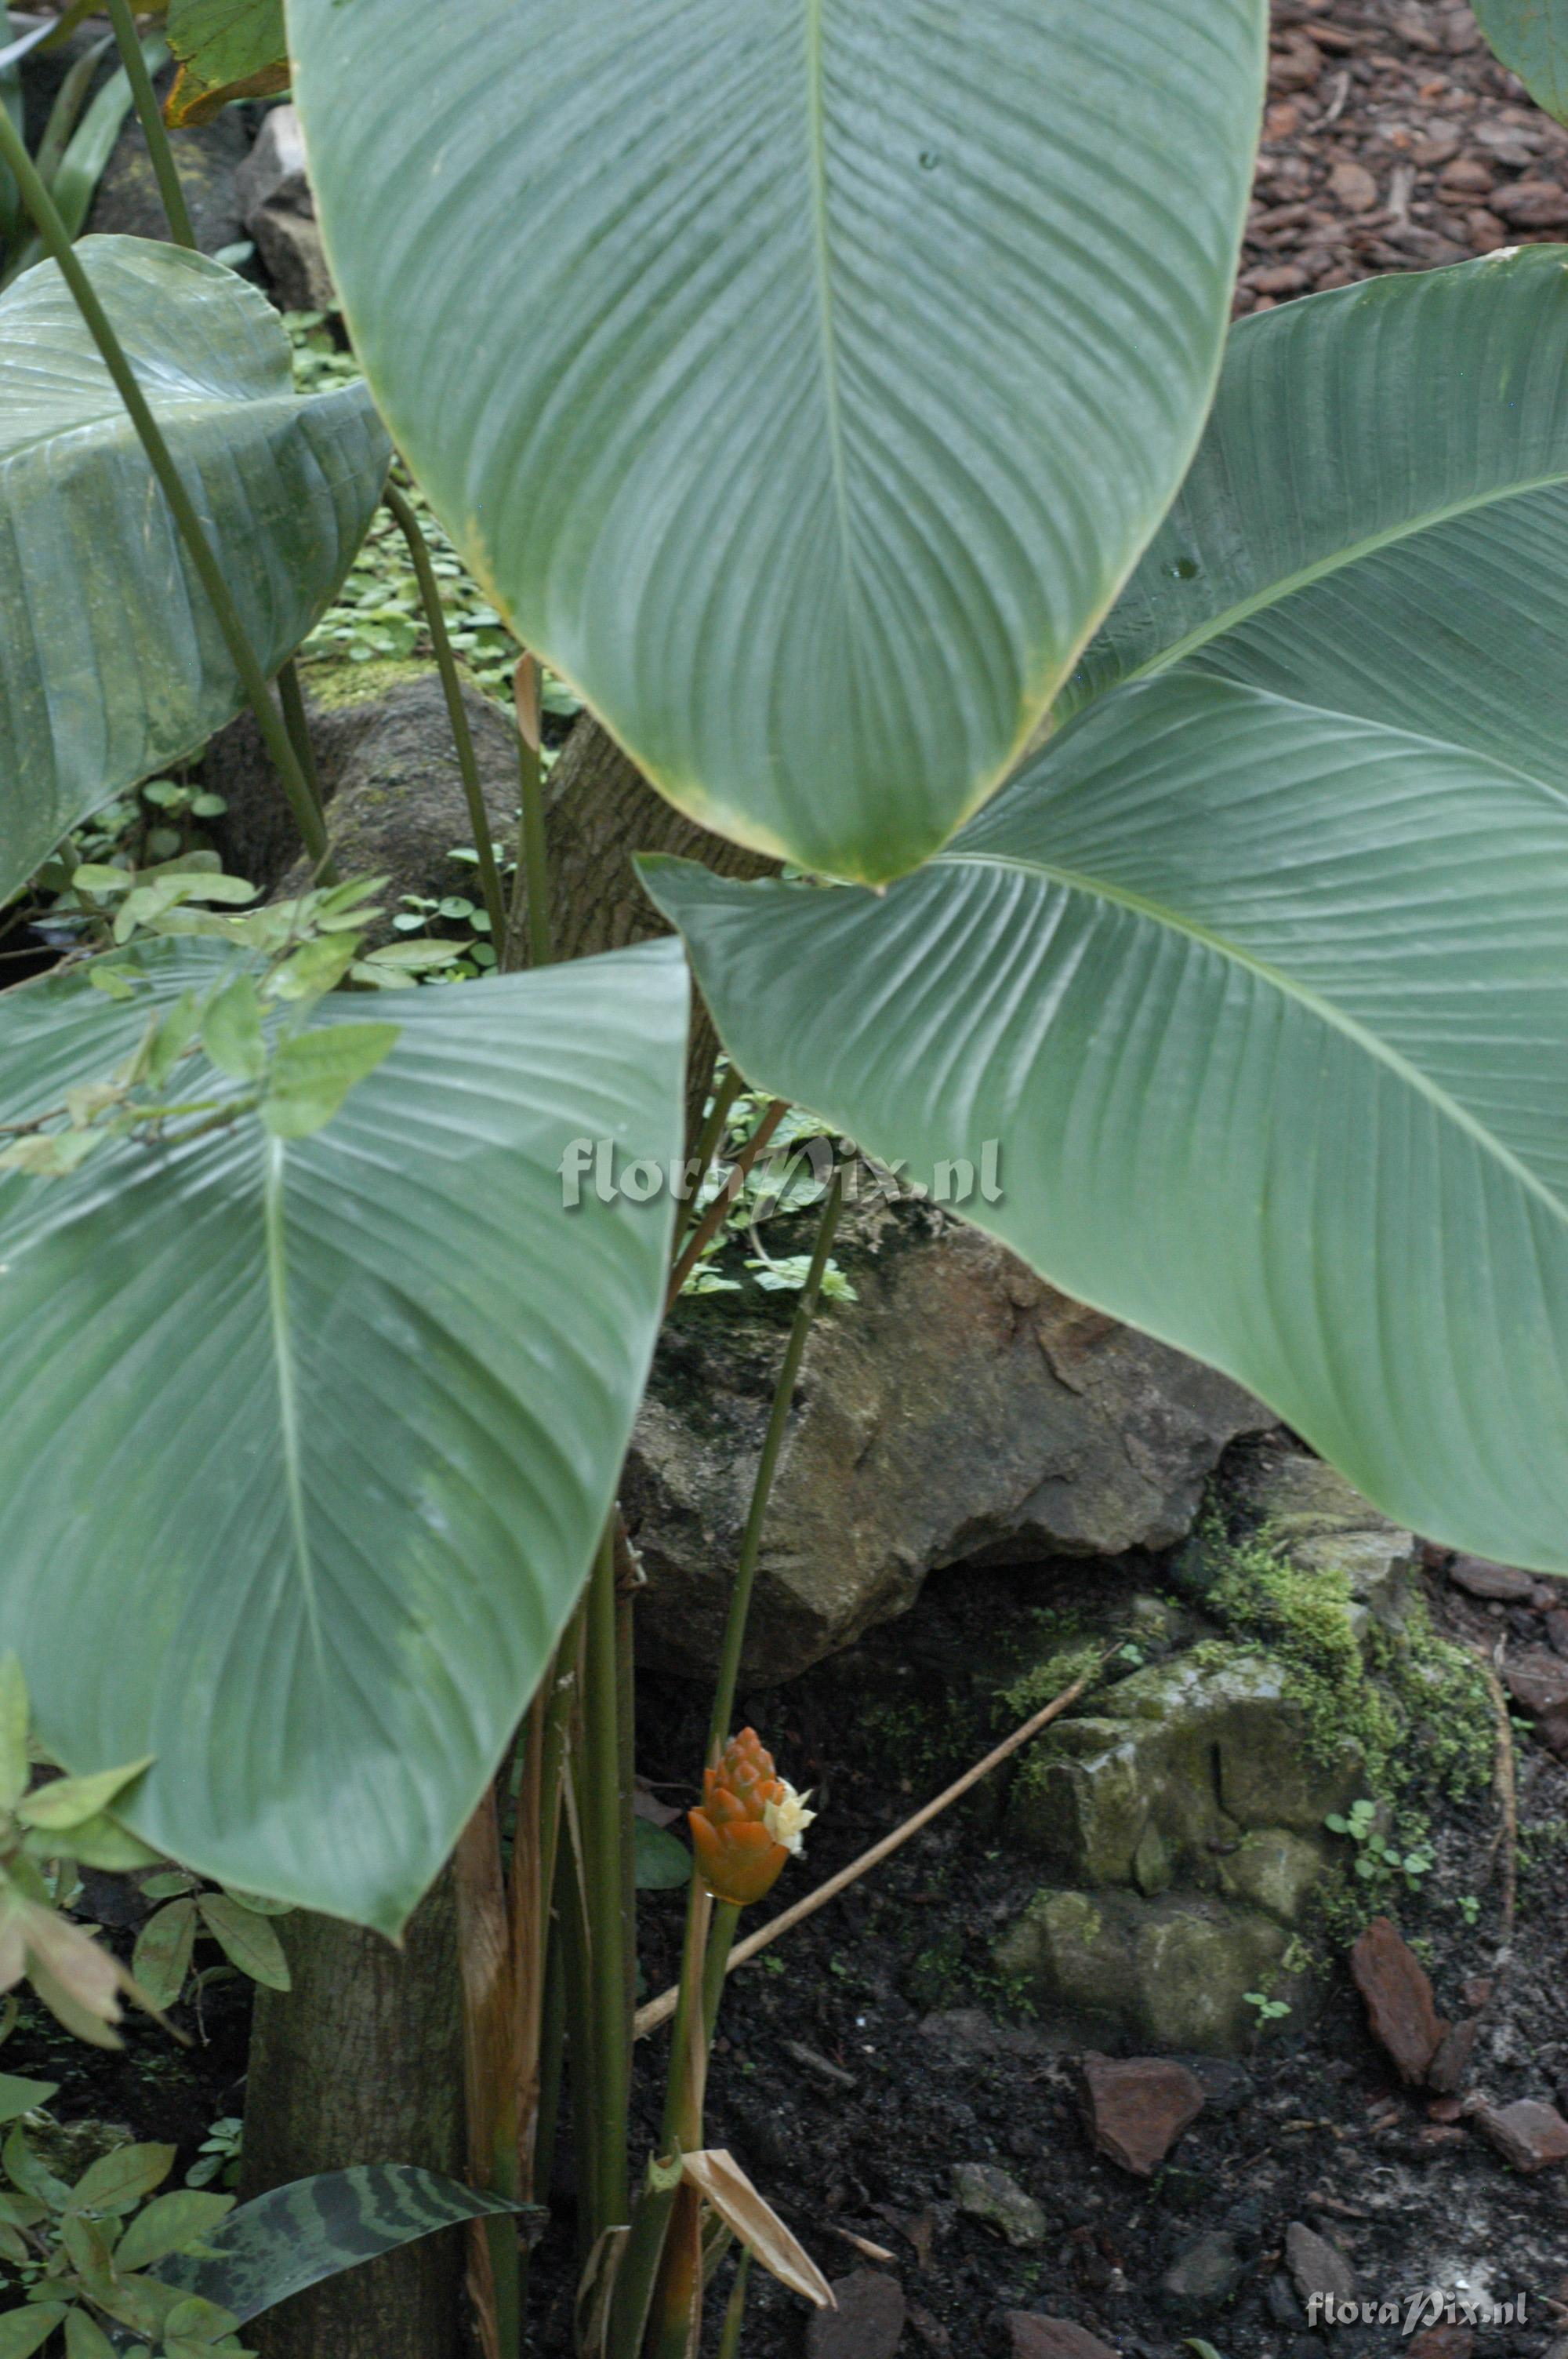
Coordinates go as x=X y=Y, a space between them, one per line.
x=226 y=49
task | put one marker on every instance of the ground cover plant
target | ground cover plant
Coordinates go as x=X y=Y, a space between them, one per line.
x=1160 y=733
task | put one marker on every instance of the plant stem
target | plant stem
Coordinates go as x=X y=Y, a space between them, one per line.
x=57 y=243
x=457 y=711
x=720 y=1941
x=604 y=2137
x=735 y=2309
x=291 y=696
x=767 y=1465
x=530 y=889
x=712 y=1134
x=713 y=1218
x=659 y=2010
x=152 y=123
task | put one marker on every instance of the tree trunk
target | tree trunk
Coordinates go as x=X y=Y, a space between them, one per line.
x=362 y=2062
x=601 y=812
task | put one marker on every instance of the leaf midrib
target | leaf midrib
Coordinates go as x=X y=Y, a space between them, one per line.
x=1174 y=921
x=274 y=1170
x=1337 y=561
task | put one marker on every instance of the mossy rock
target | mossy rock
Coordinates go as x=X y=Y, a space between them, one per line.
x=1170 y=1974
x=1200 y=1751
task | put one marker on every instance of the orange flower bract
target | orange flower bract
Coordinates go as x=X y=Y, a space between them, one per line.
x=749 y=1823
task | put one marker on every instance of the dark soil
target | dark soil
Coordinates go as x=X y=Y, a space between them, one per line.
x=876 y=2047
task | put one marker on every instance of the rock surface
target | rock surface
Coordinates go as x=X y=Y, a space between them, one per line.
x=1316 y=2266
x=1529 y=2135
x=1053 y=2338
x=1173 y=1971
x=868 y=2322
x=208 y=159
x=389 y=781
x=1478 y=1577
x=961 y=1407
x=280 y=215
x=1137 y=2110
x=1400 y=2009
x=988 y=2195
x=1201 y=2279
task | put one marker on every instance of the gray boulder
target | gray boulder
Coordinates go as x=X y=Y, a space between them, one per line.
x=389 y=778
x=280 y=215
x=208 y=158
x=961 y=1406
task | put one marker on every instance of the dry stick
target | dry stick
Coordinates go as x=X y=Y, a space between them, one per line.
x=1508 y=1790
x=203 y=557
x=713 y=1219
x=659 y=2010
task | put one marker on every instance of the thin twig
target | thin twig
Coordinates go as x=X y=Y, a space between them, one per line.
x=659 y=2010
x=1507 y=1785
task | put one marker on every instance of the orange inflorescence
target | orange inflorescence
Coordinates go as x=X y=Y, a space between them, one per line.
x=745 y=1809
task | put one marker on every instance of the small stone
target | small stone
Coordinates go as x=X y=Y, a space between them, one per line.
x=1477 y=1992
x=1557 y=1629
x=1527 y=2135
x=1282 y=121
x=1400 y=2009
x=1053 y=2338
x=1536 y=1679
x=988 y=2195
x=1354 y=187
x=1476 y=1574
x=1444 y=2342
x=868 y=2322
x=1280 y=2302
x=1201 y=2279
x=1295 y=65
x=1450 y=2067
x=1444 y=2110
x=1467 y=176
x=1283 y=278
x=1487 y=232
x=1316 y=2266
x=1533 y=204
x=1136 y=2111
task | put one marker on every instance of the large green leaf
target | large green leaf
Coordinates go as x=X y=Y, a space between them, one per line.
x=800 y=377
x=1532 y=38
x=1268 y=1009
x=1377 y=519
x=315 y=2228
x=308 y=1442
x=111 y=665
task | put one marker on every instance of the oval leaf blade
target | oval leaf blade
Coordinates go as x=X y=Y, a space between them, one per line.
x=98 y=691
x=799 y=376
x=1263 y=1013
x=402 y=1377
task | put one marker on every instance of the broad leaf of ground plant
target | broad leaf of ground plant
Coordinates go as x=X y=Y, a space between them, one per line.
x=1259 y=973
x=1532 y=38
x=800 y=378
x=310 y=1441
x=99 y=690
x=1268 y=1008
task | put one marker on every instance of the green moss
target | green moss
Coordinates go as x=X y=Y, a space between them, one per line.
x=1045 y=1679
x=334 y=680
x=1306 y=1620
